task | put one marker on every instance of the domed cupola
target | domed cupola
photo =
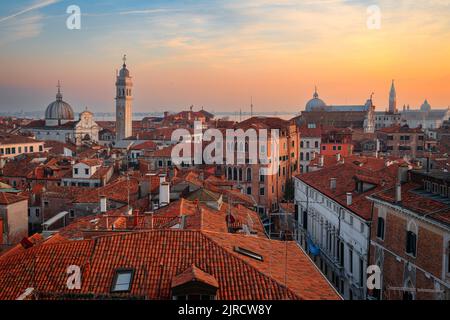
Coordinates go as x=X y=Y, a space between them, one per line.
x=58 y=112
x=315 y=104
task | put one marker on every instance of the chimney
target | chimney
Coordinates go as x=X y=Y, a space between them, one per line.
x=321 y=160
x=349 y=198
x=338 y=157
x=164 y=194
x=333 y=183
x=103 y=204
x=402 y=173
x=162 y=178
x=398 y=193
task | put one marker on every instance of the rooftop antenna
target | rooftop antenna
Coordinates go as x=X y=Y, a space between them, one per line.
x=251 y=106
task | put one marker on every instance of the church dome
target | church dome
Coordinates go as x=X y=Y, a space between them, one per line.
x=315 y=104
x=59 y=109
x=425 y=107
x=124 y=73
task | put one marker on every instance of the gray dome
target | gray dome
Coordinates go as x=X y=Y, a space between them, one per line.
x=315 y=103
x=59 y=109
x=124 y=73
x=425 y=106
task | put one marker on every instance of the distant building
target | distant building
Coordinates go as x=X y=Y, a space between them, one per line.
x=14 y=145
x=425 y=117
x=402 y=141
x=318 y=113
x=88 y=173
x=337 y=141
x=59 y=124
x=310 y=140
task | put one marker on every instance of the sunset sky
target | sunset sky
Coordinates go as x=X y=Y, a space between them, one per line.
x=218 y=54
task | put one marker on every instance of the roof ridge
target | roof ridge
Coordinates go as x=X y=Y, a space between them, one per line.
x=236 y=256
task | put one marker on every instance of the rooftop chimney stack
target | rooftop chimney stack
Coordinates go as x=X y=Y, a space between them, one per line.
x=398 y=193
x=333 y=183
x=338 y=157
x=402 y=174
x=349 y=198
x=321 y=160
x=164 y=194
x=103 y=204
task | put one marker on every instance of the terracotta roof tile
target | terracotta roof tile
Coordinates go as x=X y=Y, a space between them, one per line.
x=157 y=257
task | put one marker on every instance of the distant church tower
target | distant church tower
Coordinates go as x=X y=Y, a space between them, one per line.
x=124 y=99
x=392 y=99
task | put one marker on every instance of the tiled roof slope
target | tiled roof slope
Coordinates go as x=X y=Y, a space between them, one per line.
x=346 y=175
x=156 y=258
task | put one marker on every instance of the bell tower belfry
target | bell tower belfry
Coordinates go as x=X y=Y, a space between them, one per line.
x=124 y=99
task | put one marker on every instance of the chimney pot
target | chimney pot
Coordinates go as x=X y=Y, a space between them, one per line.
x=321 y=160
x=398 y=193
x=103 y=204
x=164 y=194
x=333 y=183
x=349 y=198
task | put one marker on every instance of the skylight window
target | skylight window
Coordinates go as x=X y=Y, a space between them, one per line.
x=249 y=253
x=122 y=281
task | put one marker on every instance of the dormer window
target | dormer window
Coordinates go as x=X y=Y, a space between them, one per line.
x=194 y=284
x=122 y=280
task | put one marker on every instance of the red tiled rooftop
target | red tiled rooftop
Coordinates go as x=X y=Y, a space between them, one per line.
x=9 y=198
x=157 y=257
x=346 y=174
x=417 y=203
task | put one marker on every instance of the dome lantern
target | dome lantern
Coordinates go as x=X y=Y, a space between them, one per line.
x=58 y=112
x=315 y=104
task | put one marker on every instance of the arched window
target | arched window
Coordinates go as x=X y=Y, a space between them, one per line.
x=249 y=190
x=307 y=156
x=230 y=173
x=261 y=175
x=249 y=174
x=411 y=238
x=411 y=243
x=240 y=174
x=380 y=228
x=408 y=294
x=235 y=174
